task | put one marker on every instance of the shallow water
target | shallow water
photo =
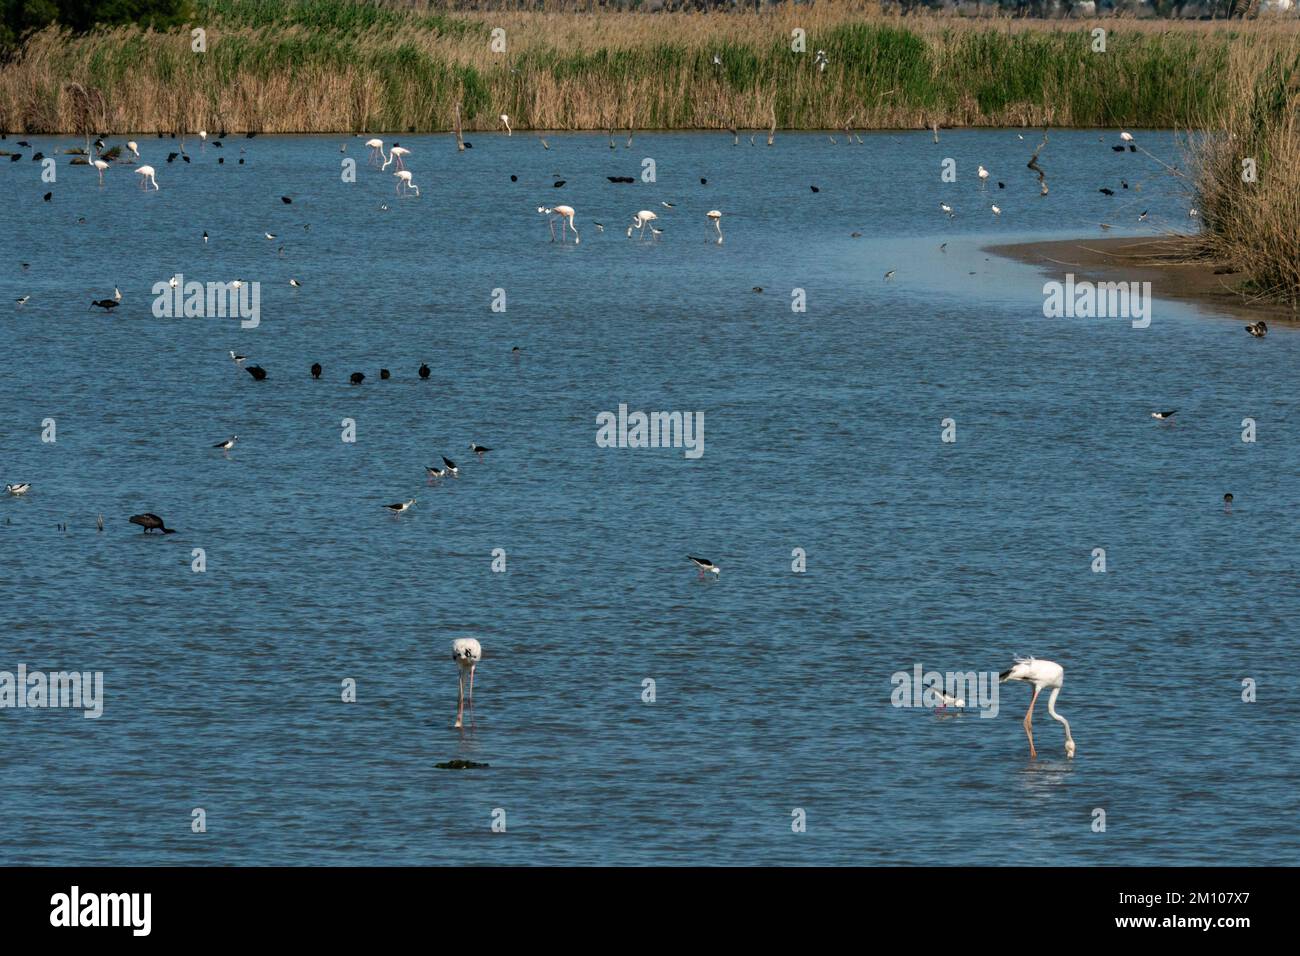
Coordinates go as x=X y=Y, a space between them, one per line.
x=822 y=432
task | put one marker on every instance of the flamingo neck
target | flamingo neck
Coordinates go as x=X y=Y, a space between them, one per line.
x=1051 y=709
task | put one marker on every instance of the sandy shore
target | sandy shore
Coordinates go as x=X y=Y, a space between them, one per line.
x=1160 y=260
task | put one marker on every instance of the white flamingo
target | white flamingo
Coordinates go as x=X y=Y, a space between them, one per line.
x=466 y=652
x=640 y=221
x=135 y=150
x=395 y=156
x=404 y=181
x=1041 y=674
x=716 y=216
x=146 y=174
x=376 y=150
x=565 y=215
x=983 y=175
x=100 y=165
x=505 y=120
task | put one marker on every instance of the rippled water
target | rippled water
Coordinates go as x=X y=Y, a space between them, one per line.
x=822 y=432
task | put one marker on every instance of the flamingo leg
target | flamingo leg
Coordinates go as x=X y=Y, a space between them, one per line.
x=1029 y=725
x=471 y=691
x=551 y=222
x=460 y=705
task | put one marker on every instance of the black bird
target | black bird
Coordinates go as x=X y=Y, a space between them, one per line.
x=559 y=182
x=478 y=449
x=814 y=189
x=384 y=374
x=1117 y=149
x=23 y=142
x=217 y=143
x=1227 y=501
x=1164 y=416
x=258 y=373
x=1132 y=147
x=150 y=522
x=424 y=371
x=315 y=370
x=48 y=196
x=1124 y=183
x=249 y=135
x=286 y=200
x=105 y=304
x=37 y=157
x=1002 y=185
x=15 y=157
x=703 y=181
x=451 y=466
x=172 y=156
x=184 y=157
x=514 y=179
x=357 y=378
x=1106 y=192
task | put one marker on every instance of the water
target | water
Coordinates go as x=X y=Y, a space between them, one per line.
x=822 y=432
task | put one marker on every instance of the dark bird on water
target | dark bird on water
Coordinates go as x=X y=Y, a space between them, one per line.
x=286 y=200
x=814 y=189
x=48 y=196
x=258 y=373
x=424 y=371
x=315 y=370
x=151 y=522
x=478 y=449
x=105 y=304
x=1257 y=329
x=559 y=182
x=384 y=374
x=1164 y=416
x=1106 y=192
x=1227 y=502
x=357 y=378
x=705 y=565
x=451 y=467
x=1117 y=149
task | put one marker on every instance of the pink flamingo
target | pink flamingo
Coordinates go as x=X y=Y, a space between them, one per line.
x=395 y=155
x=404 y=181
x=565 y=215
x=376 y=150
x=146 y=177
x=100 y=165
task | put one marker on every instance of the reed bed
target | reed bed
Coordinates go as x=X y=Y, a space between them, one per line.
x=310 y=66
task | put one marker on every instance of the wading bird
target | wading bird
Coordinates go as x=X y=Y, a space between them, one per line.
x=1041 y=674
x=146 y=174
x=478 y=449
x=237 y=359
x=983 y=175
x=565 y=215
x=1227 y=502
x=150 y=522
x=228 y=444
x=505 y=121
x=376 y=150
x=404 y=183
x=395 y=156
x=1164 y=416
x=315 y=369
x=466 y=652
x=401 y=506
x=135 y=151
x=640 y=221
x=19 y=489
x=705 y=565
x=105 y=304
x=1257 y=329
x=100 y=165
x=946 y=208
x=451 y=467
x=716 y=217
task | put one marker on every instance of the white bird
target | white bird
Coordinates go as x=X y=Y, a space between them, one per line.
x=270 y=235
x=237 y=359
x=451 y=467
x=565 y=214
x=1041 y=674
x=146 y=174
x=404 y=181
x=716 y=216
x=505 y=120
x=228 y=444
x=1164 y=416
x=466 y=652
x=996 y=210
x=946 y=208
x=1126 y=137
x=705 y=565
x=117 y=294
x=948 y=700
x=717 y=60
x=19 y=489
x=820 y=61
x=203 y=135
x=434 y=471
x=100 y=165
x=395 y=156
x=640 y=221
x=22 y=300
x=376 y=150
x=983 y=175
x=174 y=281
x=295 y=283
x=130 y=144
x=478 y=449
x=401 y=506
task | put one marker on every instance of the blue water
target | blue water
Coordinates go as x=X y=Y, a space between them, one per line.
x=822 y=432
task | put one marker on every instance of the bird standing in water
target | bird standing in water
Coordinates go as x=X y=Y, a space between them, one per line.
x=1041 y=674
x=466 y=652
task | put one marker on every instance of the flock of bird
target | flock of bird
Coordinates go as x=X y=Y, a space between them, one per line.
x=467 y=652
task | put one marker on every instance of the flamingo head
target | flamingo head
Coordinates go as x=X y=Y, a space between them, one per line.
x=1069 y=749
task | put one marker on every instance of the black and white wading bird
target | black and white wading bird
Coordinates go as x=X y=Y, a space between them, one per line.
x=237 y=359
x=151 y=522
x=478 y=449
x=433 y=471
x=466 y=652
x=451 y=467
x=1164 y=416
x=19 y=489
x=401 y=506
x=1041 y=674
x=228 y=444
x=705 y=565
x=1257 y=329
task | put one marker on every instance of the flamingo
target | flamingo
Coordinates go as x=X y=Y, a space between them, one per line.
x=146 y=174
x=395 y=155
x=466 y=652
x=404 y=180
x=983 y=175
x=640 y=221
x=1041 y=674
x=505 y=120
x=565 y=215
x=716 y=216
x=376 y=150
x=100 y=165
x=133 y=148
